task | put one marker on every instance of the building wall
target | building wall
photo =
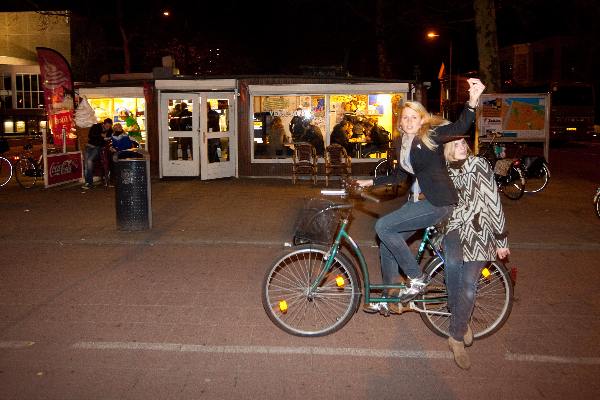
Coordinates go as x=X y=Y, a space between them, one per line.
x=22 y=32
x=554 y=59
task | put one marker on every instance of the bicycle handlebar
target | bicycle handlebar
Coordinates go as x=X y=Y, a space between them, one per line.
x=350 y=188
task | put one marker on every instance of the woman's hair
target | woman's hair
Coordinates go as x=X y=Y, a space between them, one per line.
x=449 y=150
x=118 y=127
x=276 y=123
x=429 y=122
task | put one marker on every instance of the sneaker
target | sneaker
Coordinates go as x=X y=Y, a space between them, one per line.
x=384 y=309
x=417 y=286
x=86 y=186
x=373 y=308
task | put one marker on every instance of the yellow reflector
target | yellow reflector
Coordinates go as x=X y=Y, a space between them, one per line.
x=283 y=306
x=339 y=280
x=485 y=272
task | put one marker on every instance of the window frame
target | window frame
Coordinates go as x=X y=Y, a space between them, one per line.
x=326 y=90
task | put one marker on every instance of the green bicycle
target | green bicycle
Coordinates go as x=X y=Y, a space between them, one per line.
x=314 y=288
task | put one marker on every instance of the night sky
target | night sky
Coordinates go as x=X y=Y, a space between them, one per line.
x=278 y=37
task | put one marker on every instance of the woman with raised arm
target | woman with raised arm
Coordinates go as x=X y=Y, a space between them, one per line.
x=432 y=196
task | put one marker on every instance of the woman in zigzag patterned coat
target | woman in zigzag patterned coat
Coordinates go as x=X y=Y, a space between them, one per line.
x=475 y=236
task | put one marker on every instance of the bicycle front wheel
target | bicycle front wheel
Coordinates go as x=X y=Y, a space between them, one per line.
x=294 y=308
x=25 y=173
x=537 y=180
x=597 y=203
x=6 y=171
x=513 y=184
x=493 y=302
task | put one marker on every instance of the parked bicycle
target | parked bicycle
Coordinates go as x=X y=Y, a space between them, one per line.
x=28 y=168
x=6 y=170
x=508 y=172
x=597 y=202
x=314 y=289
x=6 y=167
x=536 y=169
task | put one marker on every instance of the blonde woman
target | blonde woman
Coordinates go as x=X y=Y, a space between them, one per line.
x=432 y=196
x=276 y=137
x=475 y=236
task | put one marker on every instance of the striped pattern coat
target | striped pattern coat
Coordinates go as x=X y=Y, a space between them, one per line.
x=478 y=215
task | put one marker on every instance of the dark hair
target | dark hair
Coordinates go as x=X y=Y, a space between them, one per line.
x=108 y=121
x=96 y=129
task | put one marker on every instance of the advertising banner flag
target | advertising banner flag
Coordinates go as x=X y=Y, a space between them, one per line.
x=57 y=82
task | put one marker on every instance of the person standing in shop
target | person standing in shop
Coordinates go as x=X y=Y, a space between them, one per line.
x=98 y=135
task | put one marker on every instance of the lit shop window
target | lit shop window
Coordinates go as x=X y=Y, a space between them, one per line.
x=280 y=121
x=130 y=112
x=363 y=123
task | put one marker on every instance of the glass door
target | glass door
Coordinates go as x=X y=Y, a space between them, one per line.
x=179 y=139
x=218 y=149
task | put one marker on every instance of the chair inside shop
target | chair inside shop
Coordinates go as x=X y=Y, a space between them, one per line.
x=305 y=161
x=337 y=162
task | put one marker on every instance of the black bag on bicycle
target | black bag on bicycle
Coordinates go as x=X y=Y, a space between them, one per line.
x=316 y=222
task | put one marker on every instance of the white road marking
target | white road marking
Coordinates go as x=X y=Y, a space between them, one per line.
x=321 y=351
x=539 y=358
x=15 y=344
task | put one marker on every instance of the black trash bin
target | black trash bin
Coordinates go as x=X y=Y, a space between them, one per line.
x=132 y=192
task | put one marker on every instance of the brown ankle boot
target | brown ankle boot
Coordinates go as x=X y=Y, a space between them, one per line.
x=460 y=355
x=468 y=339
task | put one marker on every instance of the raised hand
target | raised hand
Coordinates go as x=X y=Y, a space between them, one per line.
x=476 y=88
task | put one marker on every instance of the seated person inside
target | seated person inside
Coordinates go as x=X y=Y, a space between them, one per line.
x=377 y=138
x=121 y=141
x=341 y=134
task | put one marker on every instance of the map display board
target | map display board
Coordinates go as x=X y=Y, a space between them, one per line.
x=514 y=116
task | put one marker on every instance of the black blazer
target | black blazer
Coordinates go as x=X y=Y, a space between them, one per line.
x=429 y=165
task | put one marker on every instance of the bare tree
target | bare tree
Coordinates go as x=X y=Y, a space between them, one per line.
x=383 y=62
x=487 y=43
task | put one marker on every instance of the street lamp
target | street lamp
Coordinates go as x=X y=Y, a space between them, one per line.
x=432 y=35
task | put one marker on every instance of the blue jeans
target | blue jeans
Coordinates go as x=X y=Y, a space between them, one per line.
x=92 y=153
x=461 y=284
x=396 y=227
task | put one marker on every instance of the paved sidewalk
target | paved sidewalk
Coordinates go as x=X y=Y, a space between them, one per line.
x=263 y=211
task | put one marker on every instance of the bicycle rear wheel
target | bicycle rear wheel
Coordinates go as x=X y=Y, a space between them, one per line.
x=25 y=173
x=6 y=171
x=537 y=180
x=493 y=302
x=290 y=306
x=513 y=184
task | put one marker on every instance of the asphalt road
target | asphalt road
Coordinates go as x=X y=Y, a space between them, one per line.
x=87 y=312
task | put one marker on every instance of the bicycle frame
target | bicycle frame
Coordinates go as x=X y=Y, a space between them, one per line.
x=342 y=235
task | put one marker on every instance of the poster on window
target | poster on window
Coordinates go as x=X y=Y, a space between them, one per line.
x=57 y=83
x=514 y=116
